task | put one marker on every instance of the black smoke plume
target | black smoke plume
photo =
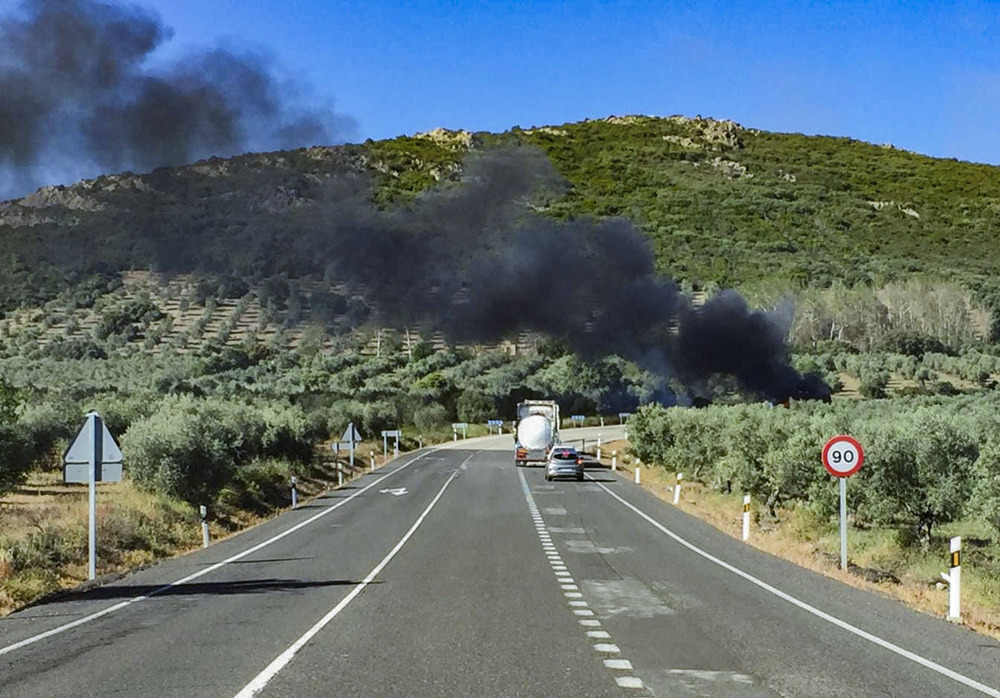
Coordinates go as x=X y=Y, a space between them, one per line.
x=78 y=97
x=479 y=263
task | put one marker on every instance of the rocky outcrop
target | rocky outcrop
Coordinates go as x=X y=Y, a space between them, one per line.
x=454 y=140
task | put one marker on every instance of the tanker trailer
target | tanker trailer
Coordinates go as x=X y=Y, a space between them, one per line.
x=537 y=431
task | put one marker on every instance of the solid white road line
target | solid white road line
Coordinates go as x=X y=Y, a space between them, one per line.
x=874 y=639
x=200 y=573
x=282 y=660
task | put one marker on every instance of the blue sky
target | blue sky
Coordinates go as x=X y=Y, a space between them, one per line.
x=923 y=76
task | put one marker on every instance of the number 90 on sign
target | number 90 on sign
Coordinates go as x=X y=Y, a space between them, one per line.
x=843 y=456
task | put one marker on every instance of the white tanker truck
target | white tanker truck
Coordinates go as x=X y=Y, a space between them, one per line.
x=537 y=431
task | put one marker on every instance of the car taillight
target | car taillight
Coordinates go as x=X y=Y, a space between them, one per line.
x=522 y=453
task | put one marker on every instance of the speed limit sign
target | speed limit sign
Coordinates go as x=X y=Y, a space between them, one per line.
x=843 y=456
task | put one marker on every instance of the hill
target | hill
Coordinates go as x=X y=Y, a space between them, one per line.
x=722 y=204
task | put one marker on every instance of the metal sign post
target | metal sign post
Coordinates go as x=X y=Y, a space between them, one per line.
x=94 y=457
x=394 y=433
x=842 y=457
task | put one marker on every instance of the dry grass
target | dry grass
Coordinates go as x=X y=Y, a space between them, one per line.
x=43 y=546
x=797 y=536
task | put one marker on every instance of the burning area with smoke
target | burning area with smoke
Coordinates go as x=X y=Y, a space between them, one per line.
x=78 y=97
x=477 y=262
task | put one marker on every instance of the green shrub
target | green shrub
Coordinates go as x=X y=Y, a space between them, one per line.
x=191 y=448
x=428 y=417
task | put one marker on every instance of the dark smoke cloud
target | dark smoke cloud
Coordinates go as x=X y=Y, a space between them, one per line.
x=78 y=97
x=476 y=262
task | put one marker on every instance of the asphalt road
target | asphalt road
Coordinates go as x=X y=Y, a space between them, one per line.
x=452 y=573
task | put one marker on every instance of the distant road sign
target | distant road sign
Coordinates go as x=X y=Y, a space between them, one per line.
x=460 y=425
x=351 y=434
x=843 y=456
x=577 y=418
x=392 y=433
x=494 y=422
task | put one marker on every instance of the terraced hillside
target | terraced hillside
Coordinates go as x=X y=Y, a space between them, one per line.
x=186 y=313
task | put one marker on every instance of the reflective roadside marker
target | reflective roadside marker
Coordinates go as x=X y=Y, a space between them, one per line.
x=677 y=488
x=954 y=579
x=203 y=510
x=746 y=517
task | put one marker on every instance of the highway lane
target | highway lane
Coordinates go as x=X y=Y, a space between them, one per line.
x=207 y=637
x=486 y=580
x=691 y=627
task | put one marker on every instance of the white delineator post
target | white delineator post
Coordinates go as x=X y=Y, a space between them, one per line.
x=340 y=475
x=420 y=441
x=677 y=488
x=954 y=579
x=598 y=447
x=203 y=510
x=746 y=517
x=295 y=492
x=371 y=459
x=614 y=461
x=638 y=470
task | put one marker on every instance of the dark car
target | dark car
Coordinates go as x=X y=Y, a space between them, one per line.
x=564 y=462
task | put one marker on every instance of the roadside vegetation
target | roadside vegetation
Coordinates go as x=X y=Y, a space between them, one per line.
x=931 y=471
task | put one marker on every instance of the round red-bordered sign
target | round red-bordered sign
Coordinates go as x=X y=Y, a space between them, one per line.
x=843 y=456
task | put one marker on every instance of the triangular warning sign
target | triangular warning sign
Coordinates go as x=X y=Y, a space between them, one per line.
x=351 y=434
x=83 y=447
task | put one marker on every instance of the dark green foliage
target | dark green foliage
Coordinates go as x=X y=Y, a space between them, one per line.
x=192 y=448
x=16 y=455
x=928 y=461
x=474 y=406
x=873 y=384
x=429 y=417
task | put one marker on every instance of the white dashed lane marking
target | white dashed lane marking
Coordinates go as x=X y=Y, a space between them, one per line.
x=572 y=592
